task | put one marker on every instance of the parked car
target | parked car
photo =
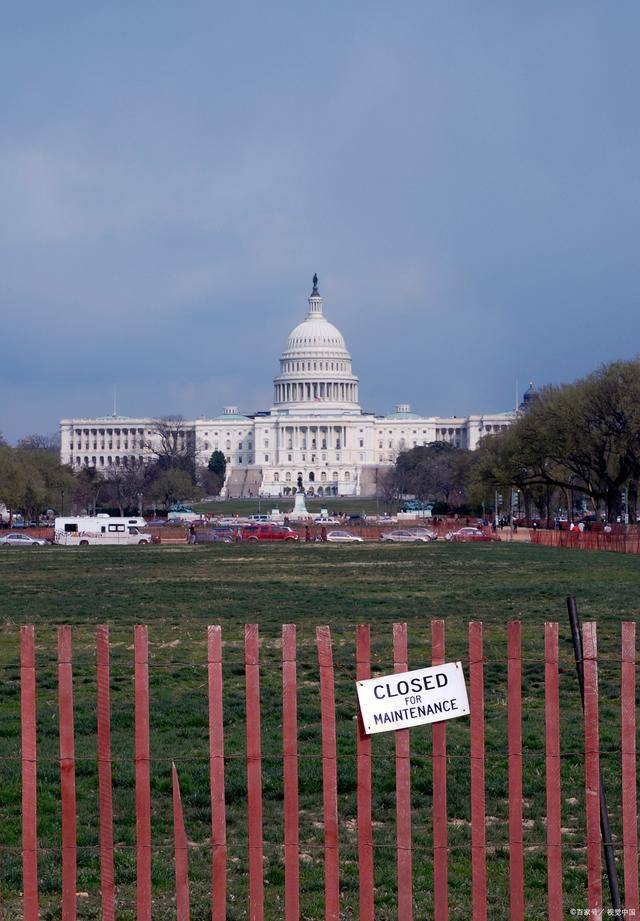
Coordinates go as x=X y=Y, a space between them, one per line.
x=22 y=540
x=268 y=532
x=469 y=534
x=213 y=536
x=343 y=537
x=424 y=532
x=407 y=535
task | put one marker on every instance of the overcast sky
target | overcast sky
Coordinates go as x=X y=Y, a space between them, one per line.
x=462 y=176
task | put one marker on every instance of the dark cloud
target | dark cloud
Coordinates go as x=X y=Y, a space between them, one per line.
x=464 y=179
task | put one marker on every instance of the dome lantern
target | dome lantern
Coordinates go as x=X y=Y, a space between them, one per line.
x=315 y=301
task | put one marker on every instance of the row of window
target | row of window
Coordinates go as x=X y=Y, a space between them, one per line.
x=108 y=446
x=317 y=366
x=102 y=461
x=111 y=431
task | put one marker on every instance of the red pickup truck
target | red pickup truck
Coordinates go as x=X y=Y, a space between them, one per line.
x=259 y=532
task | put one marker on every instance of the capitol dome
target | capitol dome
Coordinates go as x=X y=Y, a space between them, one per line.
x=315 y=332
x=315 y=367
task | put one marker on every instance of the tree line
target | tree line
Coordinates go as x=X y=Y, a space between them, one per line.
x=579 y=440
x=573 y=444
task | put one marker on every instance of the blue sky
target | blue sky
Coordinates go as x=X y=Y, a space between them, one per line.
x=463 y=177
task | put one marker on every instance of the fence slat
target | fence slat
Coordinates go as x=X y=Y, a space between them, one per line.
x=29 y=772
x=67 y=773
x=143 y=779
x=216 y=777
x=105 y=795
x=439 y=767
x=552 y=762
x=254 y=773
x=478 y=834
x=365 y=830
x=514 y=733
x=403 y=790
x=629 y=788
x=592 y=767
x=290 y=772
x=329 y=774
x=180 y=850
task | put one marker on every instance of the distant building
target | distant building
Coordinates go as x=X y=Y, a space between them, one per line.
x=529 y=397
x=315 y=431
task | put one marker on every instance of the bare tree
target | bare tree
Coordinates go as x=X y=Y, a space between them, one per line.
x=125 y=487
x=390 y=486
x=173 y=443
x=88 y=485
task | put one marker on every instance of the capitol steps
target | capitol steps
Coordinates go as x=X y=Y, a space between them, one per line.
x=370 y=477
x=243 y=483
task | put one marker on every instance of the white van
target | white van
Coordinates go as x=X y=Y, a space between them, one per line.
x=101 y=530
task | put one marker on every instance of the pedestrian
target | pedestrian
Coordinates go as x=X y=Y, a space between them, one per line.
x=307 y=533
x=323 y=534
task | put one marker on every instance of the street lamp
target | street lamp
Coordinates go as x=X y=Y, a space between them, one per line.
x=61 y=502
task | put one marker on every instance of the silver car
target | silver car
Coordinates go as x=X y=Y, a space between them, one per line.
x=413 y=535
x=22 y=540
x=424 y=532
x=343 y=537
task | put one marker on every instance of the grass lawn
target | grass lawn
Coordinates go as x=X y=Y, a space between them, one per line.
x=178 y=591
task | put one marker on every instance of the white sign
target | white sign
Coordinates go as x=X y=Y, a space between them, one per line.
x=426 y=695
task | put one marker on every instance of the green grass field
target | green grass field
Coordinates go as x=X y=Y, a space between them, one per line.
x=178 y=591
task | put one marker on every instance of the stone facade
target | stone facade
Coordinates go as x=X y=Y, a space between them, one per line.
x=315 y=428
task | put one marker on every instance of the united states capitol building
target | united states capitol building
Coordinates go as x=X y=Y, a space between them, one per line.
x=315 y=429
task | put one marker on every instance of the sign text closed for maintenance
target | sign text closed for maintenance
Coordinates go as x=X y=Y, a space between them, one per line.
x=425 y=695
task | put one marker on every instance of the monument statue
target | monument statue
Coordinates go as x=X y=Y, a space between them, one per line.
x=300 y=510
